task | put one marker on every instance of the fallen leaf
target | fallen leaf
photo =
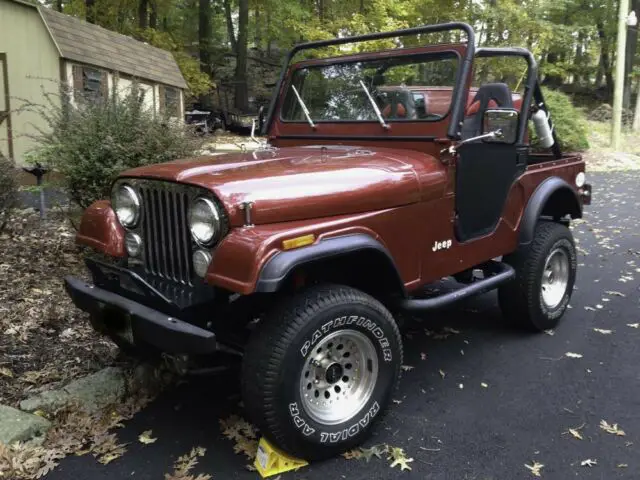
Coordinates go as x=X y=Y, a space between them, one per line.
x=450 y=330
x=633 y=325
x=550 y=332
x=423 y=356
x=185 y=463
x=5 y=372
x=588 y=463
x=442 y=374
x=461 y=386
x=352 y=454
x=614 y=293
x=484 y=385
x=613 y=429
x=109 y=457
x=622 y=465
x=407 y=368
x=575 y=433
x=535 y=468
x=573 y=355
x=591 y=309
x=397 y=402
x=375 y=451
x=603 y=331
x=146 y=438
x=398 y=457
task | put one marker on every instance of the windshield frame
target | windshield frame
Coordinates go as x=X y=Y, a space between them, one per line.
x=448 y=53
x=459 y=90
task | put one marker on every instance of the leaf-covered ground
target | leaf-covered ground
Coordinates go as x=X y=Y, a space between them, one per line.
x=44 y=339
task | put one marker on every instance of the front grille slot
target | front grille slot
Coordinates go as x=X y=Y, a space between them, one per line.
x=167 y=245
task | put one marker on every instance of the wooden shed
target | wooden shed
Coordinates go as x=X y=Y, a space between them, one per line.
x=41 y=49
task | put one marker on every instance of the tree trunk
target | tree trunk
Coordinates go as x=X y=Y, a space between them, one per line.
x=153 y=16
x=231 y=34
x=241 y=96
x=143 y=14
x=630 y=53
x=605 y=59
x=58 y=6
x=268 y=32
x=321 y=10
x=258 y=30
x=204 y=35
x=90 y=14
x=361 y=7
x=636 y=117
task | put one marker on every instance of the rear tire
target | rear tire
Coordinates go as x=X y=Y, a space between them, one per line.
x=320 y=369
x=545 y=276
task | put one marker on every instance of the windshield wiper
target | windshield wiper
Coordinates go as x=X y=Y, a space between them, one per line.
x=384 y=124
x=305 y=110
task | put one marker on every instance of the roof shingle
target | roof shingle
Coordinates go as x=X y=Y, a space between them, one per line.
x=84 y=42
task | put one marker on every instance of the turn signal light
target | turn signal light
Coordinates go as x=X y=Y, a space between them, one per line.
x=298 y=242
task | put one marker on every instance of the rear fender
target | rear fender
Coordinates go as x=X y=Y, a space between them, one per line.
x=553 y=198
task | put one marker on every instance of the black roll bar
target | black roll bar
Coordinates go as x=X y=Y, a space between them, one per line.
x=458 y=107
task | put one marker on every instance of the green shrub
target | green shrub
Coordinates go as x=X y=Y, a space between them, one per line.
x=8 y=189
x=91 y=143
x=568 y=121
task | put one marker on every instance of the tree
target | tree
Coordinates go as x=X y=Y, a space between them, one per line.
x=242 y=47
x=143 y=14
x=204 y=35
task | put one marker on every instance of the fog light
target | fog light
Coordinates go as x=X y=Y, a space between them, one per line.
x=201 y=261
x=133 y=242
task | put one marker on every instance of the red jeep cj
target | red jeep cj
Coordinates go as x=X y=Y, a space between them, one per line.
x=383 y=172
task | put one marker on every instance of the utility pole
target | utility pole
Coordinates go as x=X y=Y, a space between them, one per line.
x=616 y=128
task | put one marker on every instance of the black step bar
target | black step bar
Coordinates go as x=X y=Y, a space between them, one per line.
x=496 y=273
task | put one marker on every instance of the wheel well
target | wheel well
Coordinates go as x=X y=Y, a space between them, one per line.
x=560 y=203
x=367 y=270
x=554 y=198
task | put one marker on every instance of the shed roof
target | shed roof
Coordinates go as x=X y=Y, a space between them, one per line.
x=84 y=42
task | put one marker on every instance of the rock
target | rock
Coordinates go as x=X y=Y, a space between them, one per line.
x=91 y=393
x=17 y=426
x=144 y=378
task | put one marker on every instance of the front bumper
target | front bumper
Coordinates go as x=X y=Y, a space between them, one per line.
x=134 y=322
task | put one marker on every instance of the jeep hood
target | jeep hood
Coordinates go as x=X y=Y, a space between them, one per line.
x=298 y=183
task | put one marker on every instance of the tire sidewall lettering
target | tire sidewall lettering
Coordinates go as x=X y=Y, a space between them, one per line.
x=367 y=325
x=382 y=337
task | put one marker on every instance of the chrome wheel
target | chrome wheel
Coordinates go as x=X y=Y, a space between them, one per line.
x=555 y=278
x=338 y=377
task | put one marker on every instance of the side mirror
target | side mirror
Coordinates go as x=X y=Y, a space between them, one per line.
x=503 y=120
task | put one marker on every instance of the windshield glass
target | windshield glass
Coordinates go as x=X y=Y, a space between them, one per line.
x=405 y=88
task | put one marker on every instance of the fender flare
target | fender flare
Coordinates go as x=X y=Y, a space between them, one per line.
x=536 y=205
x=274 y=273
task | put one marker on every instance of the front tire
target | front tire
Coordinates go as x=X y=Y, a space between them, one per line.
x=320 y=370
x=545 y=276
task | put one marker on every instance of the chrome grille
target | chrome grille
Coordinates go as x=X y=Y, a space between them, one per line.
x=166 y=240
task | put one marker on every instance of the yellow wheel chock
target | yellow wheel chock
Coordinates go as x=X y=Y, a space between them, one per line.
x=272 y=461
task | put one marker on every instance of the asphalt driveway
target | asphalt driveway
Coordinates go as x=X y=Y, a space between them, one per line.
x=507 y=398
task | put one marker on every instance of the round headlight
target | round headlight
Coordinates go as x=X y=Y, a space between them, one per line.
x=126 y=204
x=201 y=261
x=133 y=242
x=580 y=179
x=204 y=221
